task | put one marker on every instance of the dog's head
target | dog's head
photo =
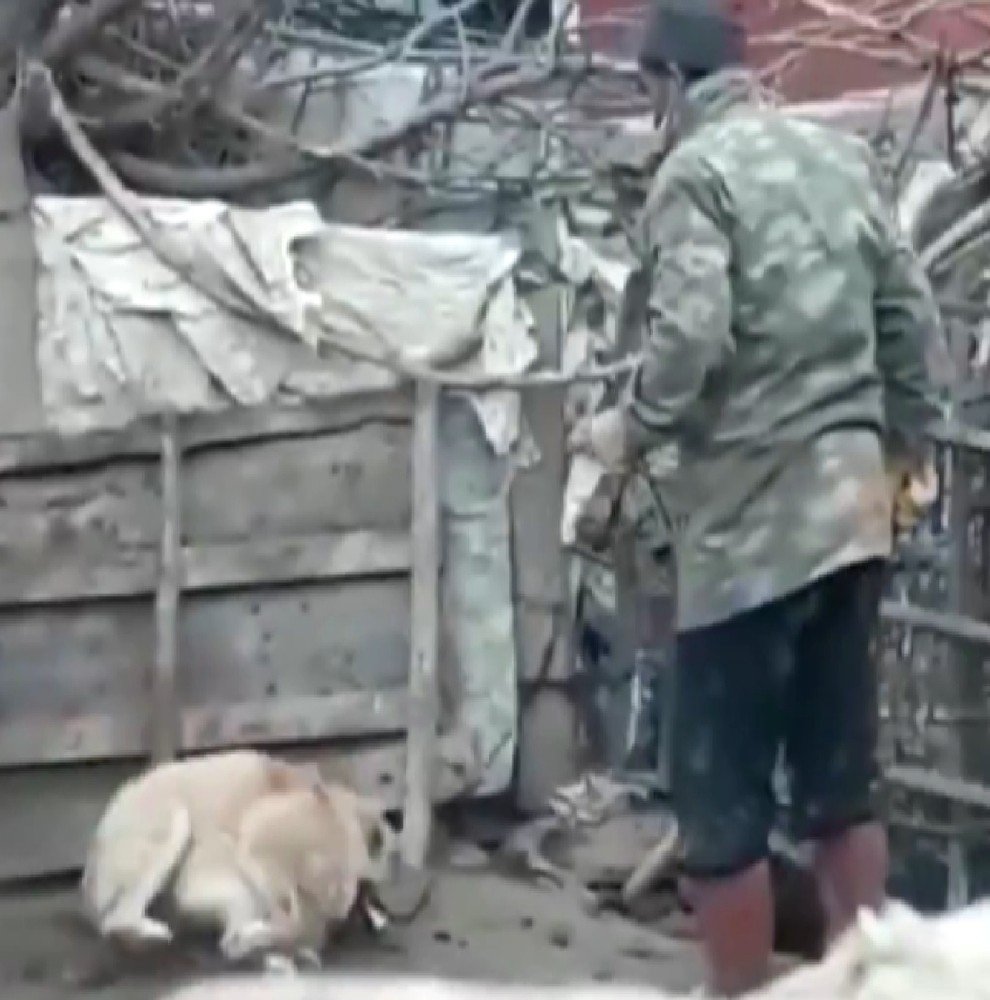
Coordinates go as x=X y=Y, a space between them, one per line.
x=380 y=840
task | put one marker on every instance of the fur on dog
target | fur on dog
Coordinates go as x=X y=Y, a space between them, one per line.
x=263 y=850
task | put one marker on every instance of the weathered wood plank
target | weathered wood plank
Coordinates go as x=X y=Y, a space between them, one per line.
x=626 y=639
x=424 y=692
x=357 y=478
x=49 y=740
x=32 y=453
x=956 y=790
x=961 y=436
x=73 y=575
x=943 y=623
x=21 y=405
x=47 y=815
x=284 y=560
x=295 y=642
x=240 y=645
x=164 y=720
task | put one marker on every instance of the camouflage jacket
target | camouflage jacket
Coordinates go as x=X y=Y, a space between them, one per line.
x=784 y=352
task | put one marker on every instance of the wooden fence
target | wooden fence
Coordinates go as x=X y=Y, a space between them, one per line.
x=215 y=581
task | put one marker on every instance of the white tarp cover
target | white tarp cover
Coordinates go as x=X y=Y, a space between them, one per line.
x=121 y=334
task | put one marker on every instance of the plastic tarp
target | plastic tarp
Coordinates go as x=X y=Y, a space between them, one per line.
x=120 y=334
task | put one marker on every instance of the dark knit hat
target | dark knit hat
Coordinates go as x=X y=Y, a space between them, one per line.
x=697 y=36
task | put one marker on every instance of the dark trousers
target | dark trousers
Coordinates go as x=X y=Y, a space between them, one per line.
x=799 y=673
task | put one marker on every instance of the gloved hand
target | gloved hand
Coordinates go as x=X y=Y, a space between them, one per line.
x=603 y=436
x=913 y=492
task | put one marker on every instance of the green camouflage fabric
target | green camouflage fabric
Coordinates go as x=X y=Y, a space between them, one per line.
x=784 y=354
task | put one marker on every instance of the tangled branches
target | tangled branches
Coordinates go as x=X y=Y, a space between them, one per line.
x=206 y=99
x=198 y=98
x=889 y=33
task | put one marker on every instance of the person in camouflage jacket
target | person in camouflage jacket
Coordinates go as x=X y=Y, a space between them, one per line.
x=784 y=361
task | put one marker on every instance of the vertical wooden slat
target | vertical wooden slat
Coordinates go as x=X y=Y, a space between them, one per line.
x=964 y=685
x=626 y=638
x=21 y=406
x=425 y=637
x=164 y=706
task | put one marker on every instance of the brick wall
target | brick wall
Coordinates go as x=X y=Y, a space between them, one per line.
x=819 y=73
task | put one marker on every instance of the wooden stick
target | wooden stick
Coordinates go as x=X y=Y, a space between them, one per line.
x=654 y=864
x=425 y=633
x=164 y=703
x=71 y=34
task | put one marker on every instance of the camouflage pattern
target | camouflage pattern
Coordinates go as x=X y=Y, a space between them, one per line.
x=784 y=356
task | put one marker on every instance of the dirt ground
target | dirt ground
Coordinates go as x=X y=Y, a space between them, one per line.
x=477 y=924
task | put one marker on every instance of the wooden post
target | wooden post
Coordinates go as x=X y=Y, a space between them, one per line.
x=627 y=638
x=164 y=702
x=425 y=635
x=21 y=406
x=965 y=663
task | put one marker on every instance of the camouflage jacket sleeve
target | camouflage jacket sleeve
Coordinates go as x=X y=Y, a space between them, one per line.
x=908 y=334
x=689 y=310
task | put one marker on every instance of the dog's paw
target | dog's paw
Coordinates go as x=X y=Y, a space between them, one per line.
x=239 y=942
x=141 y=931
x=279 y=965
x=309 y=958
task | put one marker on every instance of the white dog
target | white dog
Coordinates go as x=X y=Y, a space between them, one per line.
x=262 y=850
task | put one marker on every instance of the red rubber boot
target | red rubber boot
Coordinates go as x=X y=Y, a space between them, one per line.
x=735 y=922
x=852 y=873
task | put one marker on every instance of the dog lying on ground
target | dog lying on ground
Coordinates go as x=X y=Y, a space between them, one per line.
x=260 y=849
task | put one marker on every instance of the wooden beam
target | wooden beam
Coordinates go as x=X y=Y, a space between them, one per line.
x=68 y=575
x=163 y=703
x=341 y=555
x=425 y=637
x=626 y=639
x=40 y=740
x=35 y=453
x=22 y=409
x=946 y=624
x=925 y=782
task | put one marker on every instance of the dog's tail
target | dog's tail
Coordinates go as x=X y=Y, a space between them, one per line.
x=120 y=875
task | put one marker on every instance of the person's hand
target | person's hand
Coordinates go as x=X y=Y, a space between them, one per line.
x=604 y=437
x=914 y=492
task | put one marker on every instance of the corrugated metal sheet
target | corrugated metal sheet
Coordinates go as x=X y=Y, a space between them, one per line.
x=823 y=72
